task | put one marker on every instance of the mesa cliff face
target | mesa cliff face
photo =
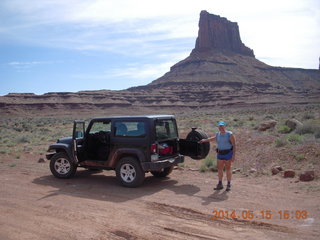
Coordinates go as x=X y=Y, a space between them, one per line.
x=219 y=33
x=220 y=72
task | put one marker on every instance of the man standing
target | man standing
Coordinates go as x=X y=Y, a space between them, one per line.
x=226 y=153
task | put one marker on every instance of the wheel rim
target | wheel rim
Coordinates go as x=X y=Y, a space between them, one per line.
x=127 y=172
x=62 y=166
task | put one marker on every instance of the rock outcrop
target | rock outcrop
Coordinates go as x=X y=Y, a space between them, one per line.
x=307 y=176
x=289 y=173
x=218 y=33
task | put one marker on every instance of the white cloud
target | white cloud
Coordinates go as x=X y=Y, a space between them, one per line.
x=273 y=29
x=25 y=65
x=137 y=73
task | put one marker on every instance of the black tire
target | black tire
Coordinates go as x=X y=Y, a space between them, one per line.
x=62 y=166
x=129 y=172
x=163 y=173
x=197 y=135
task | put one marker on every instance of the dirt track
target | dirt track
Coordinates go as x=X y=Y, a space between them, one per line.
x=35 y=205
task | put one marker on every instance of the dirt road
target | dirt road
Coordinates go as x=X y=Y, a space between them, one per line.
x=35 y=205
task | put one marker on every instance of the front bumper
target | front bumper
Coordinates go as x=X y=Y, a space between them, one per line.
x=158 y=165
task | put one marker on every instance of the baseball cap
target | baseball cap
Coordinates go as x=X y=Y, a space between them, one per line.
x=222 y=123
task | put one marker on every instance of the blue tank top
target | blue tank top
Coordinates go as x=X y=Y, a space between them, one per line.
x=223 y=141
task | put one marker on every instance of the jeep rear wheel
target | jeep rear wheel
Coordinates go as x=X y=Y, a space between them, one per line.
x=163 y=172
x=61 y=166
x=129 y=172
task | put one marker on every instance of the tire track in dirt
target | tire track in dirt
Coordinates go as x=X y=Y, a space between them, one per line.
x=190 y=214
x=197 y=236
x=125 y=235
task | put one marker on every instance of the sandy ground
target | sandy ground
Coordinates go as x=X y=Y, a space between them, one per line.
x=35 y=205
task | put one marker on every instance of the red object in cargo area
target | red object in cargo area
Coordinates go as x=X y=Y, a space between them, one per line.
x=154 y=148
x=165 y=149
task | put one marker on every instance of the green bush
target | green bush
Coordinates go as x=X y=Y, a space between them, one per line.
x=209 y=163
x=295 y=139
x=203 y=168
x=299 y=157
x=3 y=151
x=284 y=129
x=281 y=142
x=12 y=164
x=308 y=128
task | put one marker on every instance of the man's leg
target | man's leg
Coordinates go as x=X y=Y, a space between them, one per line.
x=228 y=170
x=220 y=169
x=229 y=174
x=220 y=174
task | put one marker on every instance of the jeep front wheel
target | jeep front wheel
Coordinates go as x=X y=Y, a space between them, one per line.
x=163 y=172
x=129 y=172
x=61 y=166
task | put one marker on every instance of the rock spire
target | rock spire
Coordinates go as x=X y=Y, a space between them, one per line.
x=219 y=33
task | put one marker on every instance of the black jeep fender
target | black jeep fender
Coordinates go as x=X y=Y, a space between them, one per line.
x=125 y=152
x=59 y=147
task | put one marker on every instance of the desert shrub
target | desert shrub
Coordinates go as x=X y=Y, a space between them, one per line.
x=209 y=163
x=18 y=129
x=27 y=127
x=295 y=139
x=307 y=128
x=238 y=123
x=284 y=129
x=44 y=130
x=299 y=157
x=280 y=142
x=317 y=134
x=182 y=165
x=269 y=117
x=308 y=116
x=203 y=168
x=23 y=139
x=3 y=151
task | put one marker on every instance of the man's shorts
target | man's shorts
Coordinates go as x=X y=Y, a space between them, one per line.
x=227 y=156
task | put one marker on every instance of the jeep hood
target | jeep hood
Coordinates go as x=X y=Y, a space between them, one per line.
x=66 y=140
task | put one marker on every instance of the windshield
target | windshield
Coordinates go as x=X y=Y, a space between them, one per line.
x=166 y=129
x=100 y=126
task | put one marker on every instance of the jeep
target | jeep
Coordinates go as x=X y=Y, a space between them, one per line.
x=130 y=145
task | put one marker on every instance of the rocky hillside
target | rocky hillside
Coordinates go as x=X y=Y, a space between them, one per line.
x=220 y=71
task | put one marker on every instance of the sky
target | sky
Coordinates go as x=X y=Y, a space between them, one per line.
x=75 y=45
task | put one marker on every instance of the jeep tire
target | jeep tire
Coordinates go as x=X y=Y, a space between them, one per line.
x=129 y=172
x=196 y=135
x=163 y=173
x=61 y=166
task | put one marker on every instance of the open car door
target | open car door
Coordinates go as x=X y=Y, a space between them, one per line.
x=192 y=148
x=78 y=137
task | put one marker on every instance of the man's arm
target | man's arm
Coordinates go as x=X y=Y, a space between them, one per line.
x=233 y=142
x=210 y=139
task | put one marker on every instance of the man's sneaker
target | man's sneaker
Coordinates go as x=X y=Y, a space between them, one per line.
x=218 y=187
x=228 y=187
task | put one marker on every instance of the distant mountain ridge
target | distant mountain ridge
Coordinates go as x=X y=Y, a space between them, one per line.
x=220 y=71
